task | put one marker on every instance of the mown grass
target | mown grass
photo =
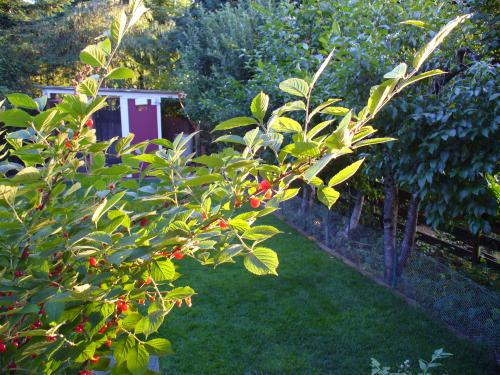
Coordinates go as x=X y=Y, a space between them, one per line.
x=318 y=317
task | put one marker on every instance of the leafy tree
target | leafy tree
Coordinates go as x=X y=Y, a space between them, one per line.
x=212 y=70
x=89 y=262
x=369 y=41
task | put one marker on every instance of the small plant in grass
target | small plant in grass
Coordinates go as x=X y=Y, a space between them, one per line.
x=90 y=259
x=425 y=368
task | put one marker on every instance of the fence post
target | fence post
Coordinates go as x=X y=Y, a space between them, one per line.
x=476 y=251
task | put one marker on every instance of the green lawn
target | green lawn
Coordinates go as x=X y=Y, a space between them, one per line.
x=318 y=317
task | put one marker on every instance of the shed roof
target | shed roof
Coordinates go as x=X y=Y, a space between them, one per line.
x=129 y=93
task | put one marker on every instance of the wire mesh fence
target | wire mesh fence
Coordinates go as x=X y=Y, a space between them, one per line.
x=446 y=293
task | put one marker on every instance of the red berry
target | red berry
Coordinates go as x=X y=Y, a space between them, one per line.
x=268 y=194
x=265 y=185
x=178 y=254
x=93 y=261
x=204 y=216
x=94 y=359
x=223 y=224
x=79 y=328
x=109 y=343
x=12 y=365
x=33 y=355
x=148 y=281
x=143 y=221
x=89 y=123
x=68 y=144
x=121 y=306
x=51 y=338
x=3 y=347
x=254 y=202
x=15 y=344
x=18 y=273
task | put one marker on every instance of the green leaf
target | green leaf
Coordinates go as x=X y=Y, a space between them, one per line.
x=227 y=254
x=88 y=87
x=297 y=105
x=322 y=106
x=341 y=137
x=131 y=320
x=317 y=167
x=27 y=175
x=106 y=205
x=427 y=74
x=159 y=346
x=416 y=23
x=259 y=106
x=345 y=173
x=302 y=149
x=123 y=142
x=260 y=233
x=397 y=73
x=8 y=193
x=318 y=128
x=93 y=56
x=372 y=141
x=179 y=293
x=162 y=269
x=121 y=73
x=54 y=310
x=335 y=111
x=138 y=9
x=295 y=86
x=209 y=161
x=235 y=122
x=231 y=139
x=151 y=323
x=328 y=196
x=261 y=261
x=426 y=51
x=15 y=117
x=105 y=45
x=252 y=137
x=137 y=359
x=204 y=179
x=23 y=101
x=322 y=67
x=285 y=125
x=118 y=27
x=379 y=94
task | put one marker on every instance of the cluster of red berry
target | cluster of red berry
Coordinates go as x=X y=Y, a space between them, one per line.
x=264 y=187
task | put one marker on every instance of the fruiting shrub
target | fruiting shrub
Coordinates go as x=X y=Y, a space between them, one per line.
x=89 y=258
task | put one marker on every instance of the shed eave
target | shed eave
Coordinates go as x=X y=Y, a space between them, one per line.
x=126 y=93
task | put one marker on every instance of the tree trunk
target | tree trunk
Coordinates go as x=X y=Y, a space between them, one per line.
x=309 y=204
x=390 y=226
x=410 y=232
x=303 y=203
x=353 y=222
x=327 y=226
